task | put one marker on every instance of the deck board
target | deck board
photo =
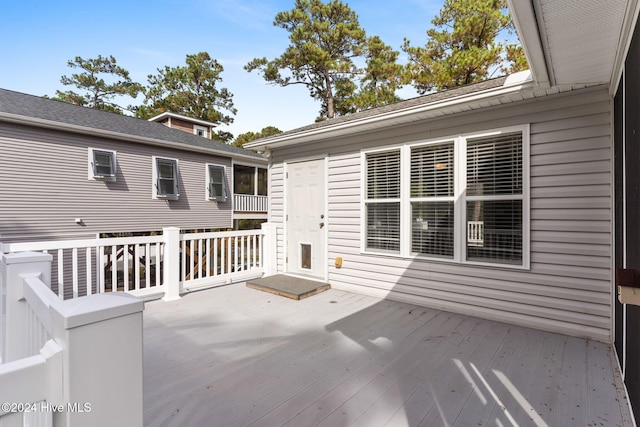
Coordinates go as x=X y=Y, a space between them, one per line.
x=236 y=356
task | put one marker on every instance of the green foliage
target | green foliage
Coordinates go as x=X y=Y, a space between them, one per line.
x=96 y=92
x=247 y=137
x=325 y=41
x=192 y=91
x=463 y=46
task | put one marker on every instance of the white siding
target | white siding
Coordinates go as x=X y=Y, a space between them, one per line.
x=44 y=187
x=568 y=287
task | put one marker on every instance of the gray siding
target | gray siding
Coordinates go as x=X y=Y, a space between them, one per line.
x=568 y=288
x=44 y=187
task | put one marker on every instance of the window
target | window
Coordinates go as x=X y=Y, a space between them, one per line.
x=216 y=188
x=383 y=201
x=250 y=180
x=102 y=164
x=494 y=198
x=201 y=131
x=463 y=199
x=432 y=199
x=165 y=178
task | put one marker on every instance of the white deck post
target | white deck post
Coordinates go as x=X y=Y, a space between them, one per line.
x=269 y=249
x=13 y=328
x=102 y=360
x=171 y=263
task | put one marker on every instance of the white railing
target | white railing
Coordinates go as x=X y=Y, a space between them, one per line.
x=66 y=362
x=220 y=257
x=250 y=203
x=166 y=264
x=85 y=267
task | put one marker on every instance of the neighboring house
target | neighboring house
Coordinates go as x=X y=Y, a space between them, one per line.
x=74 y=172
x=500 y=199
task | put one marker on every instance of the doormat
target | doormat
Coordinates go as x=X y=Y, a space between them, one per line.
x=288 y=286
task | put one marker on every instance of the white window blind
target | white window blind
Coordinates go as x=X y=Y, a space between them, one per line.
x=432 y=170
x=432 y=203
x=383 y=175
x=383 y=201
x=494 y=165
x=494 y=198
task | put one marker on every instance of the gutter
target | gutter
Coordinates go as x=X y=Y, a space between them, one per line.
x=85 y=130
x=514 y=83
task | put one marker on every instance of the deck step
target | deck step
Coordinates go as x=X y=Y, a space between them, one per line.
x=288 y=286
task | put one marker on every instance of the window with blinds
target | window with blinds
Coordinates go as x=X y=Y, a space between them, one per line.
x=463 y=199
x=494 y=198
x=432 y=203
x=383 y=201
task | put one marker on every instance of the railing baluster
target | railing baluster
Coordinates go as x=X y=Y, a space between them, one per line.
x=200 y=258
x=61 y=273
x=208 y=255
x=159 y=259
x=147 y=266
x=100 y=273
x=74 y=273
x=114 y=268
x=125 y=267
x=136 y=266
x=183 y=260
x=89 y=287
x=215 y=256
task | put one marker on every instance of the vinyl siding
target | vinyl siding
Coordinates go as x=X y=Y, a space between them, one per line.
x=44 y=186
x=568 y=287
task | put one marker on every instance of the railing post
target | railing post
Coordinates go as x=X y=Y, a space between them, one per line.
x=171 y=263
x=102 y=360
x=269 y=249
x=14 y=268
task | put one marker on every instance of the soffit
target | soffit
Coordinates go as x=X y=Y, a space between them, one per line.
x=581 y=38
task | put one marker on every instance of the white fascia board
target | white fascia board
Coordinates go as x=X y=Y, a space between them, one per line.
x=519 y=82
x=626 y=33
x=85 y=130
x=525 y=19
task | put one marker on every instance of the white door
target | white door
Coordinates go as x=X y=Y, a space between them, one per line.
x=306 y=218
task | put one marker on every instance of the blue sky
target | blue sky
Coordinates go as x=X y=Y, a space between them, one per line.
x=40 y=36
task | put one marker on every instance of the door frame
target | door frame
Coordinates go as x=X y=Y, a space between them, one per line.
x=325 y=202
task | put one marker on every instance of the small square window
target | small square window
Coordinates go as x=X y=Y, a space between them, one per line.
x=201 y=131
x=216 y=188
x=166 y=178
x=102 y=164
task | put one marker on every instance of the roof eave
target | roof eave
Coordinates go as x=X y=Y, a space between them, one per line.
x=379 y=120
x=85 y=130
x=524 y=14
x=181 y=117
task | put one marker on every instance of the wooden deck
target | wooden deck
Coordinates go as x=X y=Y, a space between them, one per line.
x=234 y=356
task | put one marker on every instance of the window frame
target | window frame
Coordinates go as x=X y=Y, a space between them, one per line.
x=208 y=183
x=459 y=197
x=203 y=129
x=176 y=185
x=92 y=174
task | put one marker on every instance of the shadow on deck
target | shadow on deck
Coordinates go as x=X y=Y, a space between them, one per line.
x=231 y=356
